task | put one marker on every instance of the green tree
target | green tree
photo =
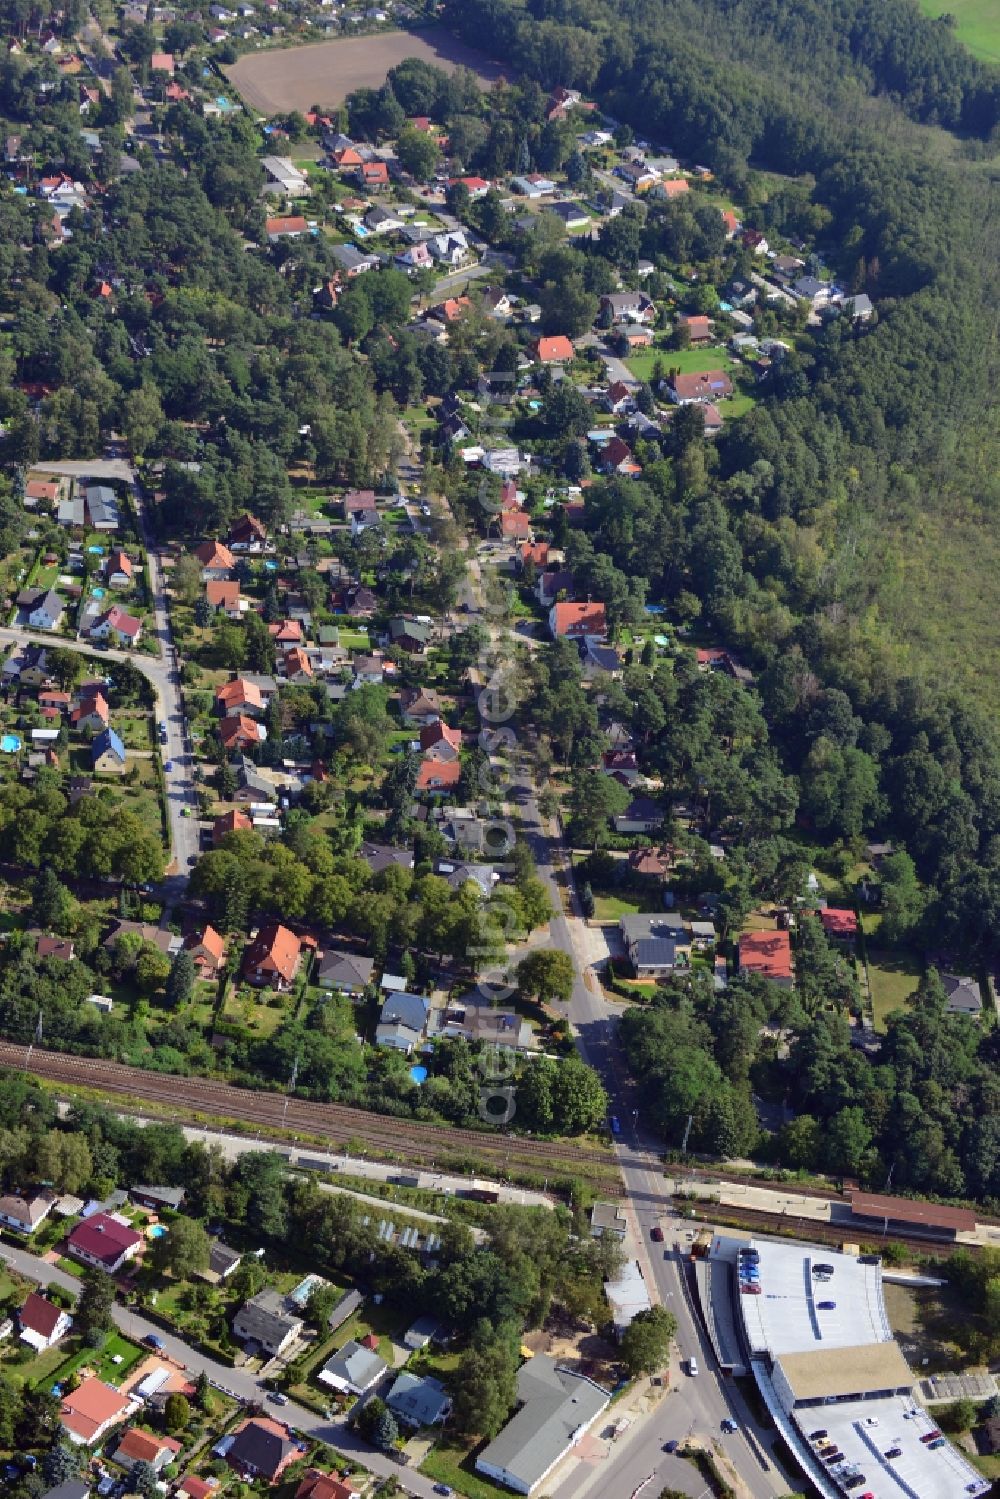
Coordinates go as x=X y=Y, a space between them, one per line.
x=51 y=903
x=418 y=153
x=93 y=1310
x=486 y=1384
x=61 y=1463
x=645 y=1343
x=579 y=1100
x=547 y=975
x=176 y=1412
x=184 y=1250
x=143 y=1479
x=180 y=980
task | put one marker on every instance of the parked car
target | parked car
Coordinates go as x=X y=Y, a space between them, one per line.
x=656 y=1234
x=153 y=1341
x=672 y=1445
x=692 y=1366
x=729 y=1425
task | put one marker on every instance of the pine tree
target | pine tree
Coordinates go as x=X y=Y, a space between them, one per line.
x=180 y=980
x=49 y=905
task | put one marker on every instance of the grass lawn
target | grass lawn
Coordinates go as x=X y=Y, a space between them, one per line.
x=451 y=1462
x=102 y=1361
x=894 y=974
x=246 y=1009
x=688 y=361
x=978 y=26
x=611 y=907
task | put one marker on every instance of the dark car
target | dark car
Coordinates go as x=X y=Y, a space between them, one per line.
x=937 y=1442
x=672 y=1445
x=827 y=1306
x=729 y=1425
x=656 y=1234
x=929 y=1436
x=894 y=1452
x=153 y=1341
x=855 y=1482
x=817 y=1436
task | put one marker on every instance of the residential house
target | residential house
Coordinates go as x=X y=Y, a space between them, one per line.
x=839 y=925
x=439 y=742
x=229 y=822
x=403 y=1022
x=297 y=667
x=240 y=696
x=656 y=945
x=41 y=1322
x=859 y=308
x=600 y=658
x=699 y=328
x=650 y=863
x=252 y=786
x=120 y=573
x=27 y=666
x=272 y=957
x=102 y=507
x=59 y=948
x=459 y=875
x=237 y=732
x=222 y=1261
x=619 y=398
x=438 y=776
x=347 y=972
x=217 y=561
x=53 y=703
x=193 y=1487
x=90 y=1411
x=261 y=1448
x=317 y=1485
x=373 y=176
x=264 y=1320
x=138 y=1446
x=698 y=389
x=418 y=1401
x=415 y=258
x=577 y=621
x=360 y=509
x=379 y=856
x=483 y=1024
x=623 y=764
x=420 y=706
x=72 y=1488
x=207 y=948
x=104 y=1243
x=575 y=217
x=47 y=612
x=810 y=289
x=157 y=1199
x=247 y=535
x=638 y=175
x=355 y=1369
x=642 y=815
x=412 y=635
x=608 y=1218
x=556 y=1406
x=965 y=996
x=616 y=457
x=285 y=178
x=24 y=1212
x=289 y=226
x=354 y=262
x=557 y=349
x=768 y=954
x=533 y=185
x=671 y=188
x=118 y=625
x=551 y=584
x=224 y=597
x=381 y=220
x=369 y=669
x=107 y=753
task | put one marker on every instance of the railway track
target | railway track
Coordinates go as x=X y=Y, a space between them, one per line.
x=787 y=1224
x=406 y=1139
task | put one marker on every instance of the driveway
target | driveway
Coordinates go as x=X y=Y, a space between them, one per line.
x=237 y=1382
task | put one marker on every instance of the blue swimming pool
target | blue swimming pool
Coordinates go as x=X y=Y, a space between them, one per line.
x=96 y=551
x=157 y=1231
x=10 y=744
x=418 y=1074
x=270 y=565
x=98 y=593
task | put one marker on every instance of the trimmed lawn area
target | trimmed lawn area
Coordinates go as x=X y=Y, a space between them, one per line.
x=612 y=907
x=979 y=28
x=451 y=1462
x=110 y=1363
x=244 y=1007
x=894 y=974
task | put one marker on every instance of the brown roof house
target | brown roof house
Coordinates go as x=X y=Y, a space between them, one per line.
x=208 y=951
x=272 y=957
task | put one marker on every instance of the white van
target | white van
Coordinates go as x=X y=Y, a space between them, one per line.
x=692 y=1366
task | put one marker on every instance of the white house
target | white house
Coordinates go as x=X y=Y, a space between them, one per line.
x=42 y=1323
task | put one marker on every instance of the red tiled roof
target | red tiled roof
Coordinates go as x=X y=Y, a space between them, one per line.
x=103 y=1238
x=839 y=923
x=293 y=224
x=590 y=617
x=274 y=949
x=238 y=729
x=438 y=775
x=438 y=733
x=230 y=822
x=39 y=1315
x=239 y=691
x=553 y=350
x=91 y=1406
x=223 y=593
x=214 y=554
x=143 y=1447
x=767 y=953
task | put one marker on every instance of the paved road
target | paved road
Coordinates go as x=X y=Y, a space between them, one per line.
x=245 y=1386
x=458 y=281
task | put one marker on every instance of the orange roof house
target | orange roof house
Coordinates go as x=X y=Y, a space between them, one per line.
x=674 y=187
x=161 y=62
x=207 y=949
x=273 y=957
x=841 y=925
x=215 y=558
x=91 y=1410
x=438 y=775
x=576 y=620
x=230 y=822
x=288 y=632
x=297 y=664
x=769 y=954
x=239 y=696
x=239 y=732
x=317 y=1485
x=515 y=525
x=554 y=350
x=535 y=552
x=291 y=226
x=439 y=742
x=223 y=594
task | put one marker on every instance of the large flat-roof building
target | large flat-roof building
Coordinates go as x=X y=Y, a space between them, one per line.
x=815 y=1332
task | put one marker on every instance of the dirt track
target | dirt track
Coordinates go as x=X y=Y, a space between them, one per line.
x=324 y=73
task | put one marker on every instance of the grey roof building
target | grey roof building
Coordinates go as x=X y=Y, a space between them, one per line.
x=557 y=1406
x=347 y=971
x=102 y=503
x=402 y=1022
x=354 y=1369
x=264 y=1320
x=965 y=997
x=73 y=1488
x=418 y=1402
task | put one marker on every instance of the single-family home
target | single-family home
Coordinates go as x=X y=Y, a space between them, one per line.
x=157 y=1199
x=412 y=635
x=403 y=1021
x=576 y=621
x=59 y=948
x=42 y=1323
x=208 y=950
x=222 y=1261
x=840 y=925
x=354 y=262
x=238 y=732
x=556 y=349
x=382 y=220
x=120 y=571
x=288 y=226
x=420 y=706
x=810 y=289
x=572 y=215
x=353 y=1370
x=347 y=972
x=699 y=327
x=104 y=1242
x=642 y=815
x=284 y=178
x=533 y=185
x=373 y=176
x=656 y=945
x=316 y=1485
x=379 y=856
x=102 y=507
x=47 y=611
x=965 y=995
x=107 y=753
x=768 y=954
x=90 y=1411
x=438 y=776
x=439 y=742
x=138 y=1446
x=266 y=1321
x=698 y=389
x=417 y=1400
x=248 y=535
x=272 y=957
x=239 y=696
x=556 y=1406
x=261 y=1448
x=217 y=561
x=118 y=625
x=224 y=597
x=92 y=714
x=230 y=822
x=629 y=307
